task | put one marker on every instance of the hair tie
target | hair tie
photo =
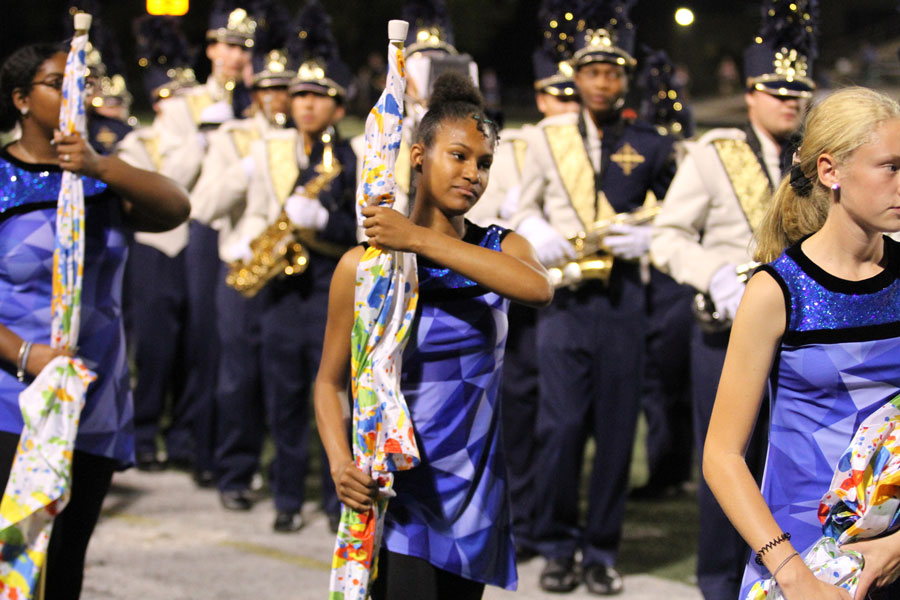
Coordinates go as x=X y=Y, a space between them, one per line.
x=801 y=183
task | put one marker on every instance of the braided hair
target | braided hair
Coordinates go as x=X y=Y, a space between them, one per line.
x=18 y=72
x=454 y=97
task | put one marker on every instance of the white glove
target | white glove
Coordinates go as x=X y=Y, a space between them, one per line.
x=239 y=250
x=726 y=291
x=510 y=203
x=628 y=241
x=202 y=141
x=248 y=165
x=551 y=247
x=306 y=213
x=218 y=112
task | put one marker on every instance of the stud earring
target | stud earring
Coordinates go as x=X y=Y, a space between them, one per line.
x=835 y=187
x=25 y=111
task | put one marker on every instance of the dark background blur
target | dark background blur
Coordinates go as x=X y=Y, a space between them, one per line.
x=501 y=34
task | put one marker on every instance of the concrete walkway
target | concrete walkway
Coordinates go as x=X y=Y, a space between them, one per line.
x=161 y=538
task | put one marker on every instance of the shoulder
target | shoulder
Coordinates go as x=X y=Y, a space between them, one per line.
x=570 y=119
x=720 y=133
x=344 y=277
x=766 y=301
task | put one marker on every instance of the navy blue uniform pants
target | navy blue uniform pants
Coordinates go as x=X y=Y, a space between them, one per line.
x=519 y=405
x=722 y=553
x=159 y=312
x=590 y=346
x=202 y=349
x=271 y=347
x=665 y=399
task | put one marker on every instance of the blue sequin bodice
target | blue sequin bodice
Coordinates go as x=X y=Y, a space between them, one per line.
x=434 y=277
x=19 y=186
x=819 y=301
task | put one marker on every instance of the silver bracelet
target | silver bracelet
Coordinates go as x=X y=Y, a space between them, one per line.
x=784 y=562
x=22 y=360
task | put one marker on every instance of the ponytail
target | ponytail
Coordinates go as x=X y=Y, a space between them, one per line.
x=837 y=126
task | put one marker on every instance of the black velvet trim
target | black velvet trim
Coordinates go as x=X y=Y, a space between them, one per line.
x=836 y=336
x=784 y=291
x=32 y=206
x=871 y=285
x=25 y=166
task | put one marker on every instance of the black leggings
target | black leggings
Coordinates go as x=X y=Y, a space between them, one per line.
x=72 y=528
x=402 y=577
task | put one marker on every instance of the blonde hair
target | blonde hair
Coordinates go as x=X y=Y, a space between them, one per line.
x=838 y=125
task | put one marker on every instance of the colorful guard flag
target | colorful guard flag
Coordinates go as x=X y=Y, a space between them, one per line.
x=863 y=502
x=38 y=486
x=384 y=306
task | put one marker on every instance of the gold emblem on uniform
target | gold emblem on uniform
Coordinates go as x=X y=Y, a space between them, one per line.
x=627 y=158
x=107 y=137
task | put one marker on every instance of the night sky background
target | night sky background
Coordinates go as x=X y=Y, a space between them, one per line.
x=499 y=34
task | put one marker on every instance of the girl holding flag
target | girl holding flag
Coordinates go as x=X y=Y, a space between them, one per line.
x=447 y=531
x=118 y=198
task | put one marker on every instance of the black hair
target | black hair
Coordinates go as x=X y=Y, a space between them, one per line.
x=454 y=97
x=17 y=72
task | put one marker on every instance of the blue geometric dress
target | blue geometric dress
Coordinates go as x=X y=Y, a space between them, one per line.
x=28 y=195
x=838 y=362
x=453 y=510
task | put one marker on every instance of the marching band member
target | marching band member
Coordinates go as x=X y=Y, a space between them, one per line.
x=272 y=350
x=665 y=400
x=157 y=280
x=590 y=341
x=182 y=125
x=555 y=94
x=705 y=230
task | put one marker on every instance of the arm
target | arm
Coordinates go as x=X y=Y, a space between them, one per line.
x=223 y=179
x=757 y=329
x=151 y=202
x=675 y=248
x=181 y=145
x=534 y=184
x=354 y=488
x=514 y=273
x=38 y=357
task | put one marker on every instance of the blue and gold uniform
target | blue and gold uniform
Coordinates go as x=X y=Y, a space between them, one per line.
x=588 y=167
x=272 y=342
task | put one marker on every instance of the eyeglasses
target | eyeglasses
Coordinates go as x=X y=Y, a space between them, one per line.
x=54 y=82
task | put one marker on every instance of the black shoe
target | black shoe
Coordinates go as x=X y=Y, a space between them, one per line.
x=147 y=461
x=603 y=580
x=181 y=463
x=559 y=575
x=334 y=521
x=288 y=521
x=204 y=478
x=525 y=552
x=236 y=499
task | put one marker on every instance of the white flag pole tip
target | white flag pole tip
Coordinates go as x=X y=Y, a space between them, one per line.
x=397 y=30
x=82 y=21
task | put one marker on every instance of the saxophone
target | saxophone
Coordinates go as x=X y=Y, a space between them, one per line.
x=708 y=318
x=282 y=247
x=592 y=260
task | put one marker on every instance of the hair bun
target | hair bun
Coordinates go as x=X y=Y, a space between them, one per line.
x=451 y=86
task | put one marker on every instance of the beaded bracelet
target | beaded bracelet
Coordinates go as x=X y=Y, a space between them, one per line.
x=781 y=538
x=22 y=360
x=784 y=562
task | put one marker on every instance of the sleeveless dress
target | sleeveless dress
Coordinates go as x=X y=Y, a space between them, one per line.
x=453 y=509
x=838 y=362
x=28 y=196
